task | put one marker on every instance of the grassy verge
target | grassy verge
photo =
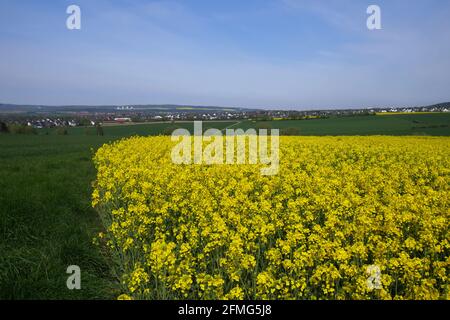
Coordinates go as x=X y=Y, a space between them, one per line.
x=46 y=222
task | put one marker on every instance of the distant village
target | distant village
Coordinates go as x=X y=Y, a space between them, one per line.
x=131 y=114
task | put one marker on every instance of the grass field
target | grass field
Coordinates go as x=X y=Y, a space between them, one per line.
x=420 y=124
x=47 y=223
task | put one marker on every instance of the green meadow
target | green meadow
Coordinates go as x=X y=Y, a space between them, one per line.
x=420 y=124
x=46 y=220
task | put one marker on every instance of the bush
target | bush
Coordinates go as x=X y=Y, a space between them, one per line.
x=22 y=129
x=99 y=130
x=3 y=127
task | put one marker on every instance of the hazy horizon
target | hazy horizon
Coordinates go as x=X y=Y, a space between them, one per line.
x=275 y=108
x=275 y=54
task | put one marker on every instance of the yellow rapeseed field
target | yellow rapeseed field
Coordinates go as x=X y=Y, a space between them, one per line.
x=338 y=208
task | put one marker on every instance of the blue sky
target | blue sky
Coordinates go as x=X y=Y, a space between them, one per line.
x=255 y=53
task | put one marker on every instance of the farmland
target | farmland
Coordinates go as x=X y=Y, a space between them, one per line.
x=338 y=207
x=437 y=124
x=46 y=218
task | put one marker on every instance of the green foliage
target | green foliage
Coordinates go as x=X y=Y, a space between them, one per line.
x=3 y=127
x=22 y=129
x=99 y=130
x=85 y=122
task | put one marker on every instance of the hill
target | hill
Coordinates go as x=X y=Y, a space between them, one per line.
x=18 y=108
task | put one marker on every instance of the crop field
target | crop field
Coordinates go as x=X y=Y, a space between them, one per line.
x=47 y=221
x=435 y=124
x=339 y=208
x=396 y=125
